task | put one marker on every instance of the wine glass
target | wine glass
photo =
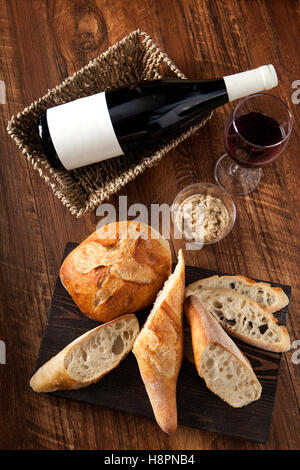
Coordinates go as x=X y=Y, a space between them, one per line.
x=256 y=133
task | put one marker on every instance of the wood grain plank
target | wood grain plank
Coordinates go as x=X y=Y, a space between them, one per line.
x=205 y=39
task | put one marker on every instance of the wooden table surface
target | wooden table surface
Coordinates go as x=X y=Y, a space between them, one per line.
x=42 y=42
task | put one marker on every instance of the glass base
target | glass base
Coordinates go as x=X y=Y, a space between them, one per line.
x=235 y=179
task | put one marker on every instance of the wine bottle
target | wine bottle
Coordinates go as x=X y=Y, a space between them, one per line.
x=106 y=125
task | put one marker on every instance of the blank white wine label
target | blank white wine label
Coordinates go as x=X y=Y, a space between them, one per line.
x=82 y=132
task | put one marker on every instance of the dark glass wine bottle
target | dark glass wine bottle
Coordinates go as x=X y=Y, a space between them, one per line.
x=105 y=125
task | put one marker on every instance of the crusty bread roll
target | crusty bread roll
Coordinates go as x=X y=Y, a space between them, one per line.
x=246 y=319
x=118 y=269
x=225 y=369
x=271 y=298
x=89 y=357
x=159 y=347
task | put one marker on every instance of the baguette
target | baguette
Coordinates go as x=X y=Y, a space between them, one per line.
x=245 y=319
x=271 y=298
x=159 y=348
x=225 y=369
x=89 y=357
x=118 y=269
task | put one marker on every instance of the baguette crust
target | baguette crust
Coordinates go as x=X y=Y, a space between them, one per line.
x=242 y=317
x=205 y=332
x=271 y=298
x=54 y=375
x=159 y=348
x=118 y=269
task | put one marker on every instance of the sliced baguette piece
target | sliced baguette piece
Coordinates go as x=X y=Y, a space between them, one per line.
x=226 y=371
x=246 y=319
x=89 y=357
x=271 y=298
x=159 y=348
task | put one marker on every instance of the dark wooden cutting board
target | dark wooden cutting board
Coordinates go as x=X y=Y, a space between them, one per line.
x=123 y=389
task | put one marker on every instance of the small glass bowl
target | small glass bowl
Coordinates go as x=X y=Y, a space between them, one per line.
x=206 y=189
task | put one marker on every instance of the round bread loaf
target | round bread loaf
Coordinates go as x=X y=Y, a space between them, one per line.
x=118 y=269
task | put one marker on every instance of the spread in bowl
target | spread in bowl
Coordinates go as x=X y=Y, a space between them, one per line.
x=213 y=214
x=203 y=213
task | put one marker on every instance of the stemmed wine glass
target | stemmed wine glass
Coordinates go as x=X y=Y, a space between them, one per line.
x=256 y=133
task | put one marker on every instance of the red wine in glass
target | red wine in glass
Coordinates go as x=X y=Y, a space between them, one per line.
x=256 y=133
x=261 y=139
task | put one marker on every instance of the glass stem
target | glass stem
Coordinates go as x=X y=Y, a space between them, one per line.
x=235 y=168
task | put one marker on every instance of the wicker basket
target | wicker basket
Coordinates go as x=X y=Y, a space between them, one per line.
x=136 y=57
